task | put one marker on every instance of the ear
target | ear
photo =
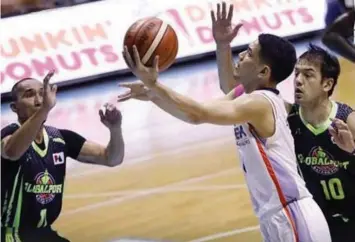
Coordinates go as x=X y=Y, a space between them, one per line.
x=13 y=107
x=265 y=72
x=327 y=84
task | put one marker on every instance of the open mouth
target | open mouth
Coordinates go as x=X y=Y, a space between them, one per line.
x=298 y=91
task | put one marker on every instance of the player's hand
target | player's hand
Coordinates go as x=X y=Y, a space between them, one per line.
x=342 y=136
x=49 y=93
x=110 y=116
x=137 y=90
x=222 y=28
x=148 y=75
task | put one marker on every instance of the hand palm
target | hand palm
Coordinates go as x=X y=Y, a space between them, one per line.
x=222 y=29
x=137 y=90
x=223 y=33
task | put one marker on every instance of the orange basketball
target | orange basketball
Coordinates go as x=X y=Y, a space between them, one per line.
x=153 y=37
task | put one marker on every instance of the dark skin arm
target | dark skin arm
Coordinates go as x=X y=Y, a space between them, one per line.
x=336 y=35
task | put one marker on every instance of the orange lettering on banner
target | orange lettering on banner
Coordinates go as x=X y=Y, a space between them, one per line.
x=261 y=3
x=57 y=39
x=252 y=25
x=91 y=32
x=15 y=49
x=241 y=5
x=195 y=13
x=31 y=44
x=42 y=67
x=306 y=16
x=276 y=23
x=205 y=34
x=71 y=61
x=53 y=39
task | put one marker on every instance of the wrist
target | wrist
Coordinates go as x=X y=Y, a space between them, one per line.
x=116 y=129
x=43 y=112
x=222 y=46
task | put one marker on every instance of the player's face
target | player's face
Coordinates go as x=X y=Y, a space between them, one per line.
x=248 y=68
x=308 y=82
x=29 y=98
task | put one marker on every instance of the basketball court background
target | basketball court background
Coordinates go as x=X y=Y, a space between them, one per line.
x=179 y=182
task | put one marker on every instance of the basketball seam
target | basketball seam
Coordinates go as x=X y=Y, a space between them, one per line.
x=158 y=38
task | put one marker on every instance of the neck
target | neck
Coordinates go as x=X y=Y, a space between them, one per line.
x=39 y=136
x=317 y=112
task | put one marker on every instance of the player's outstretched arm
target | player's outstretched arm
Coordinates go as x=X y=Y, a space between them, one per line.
x=335 y=36
x=113 y=153
x=14 y=145
x=223 y=33
x=248 y=108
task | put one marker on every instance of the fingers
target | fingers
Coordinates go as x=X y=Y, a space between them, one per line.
x=125 y=96
x=54 y=88
x=110 y=114
x=224 y=10
x=127 y=57
x=126 y=85
x=219 y=16
x=136 y=57
x=156 y=63
x=340 y=124
x=230 y=12
x=48 y=77
x=213 y=17
x=237 y=28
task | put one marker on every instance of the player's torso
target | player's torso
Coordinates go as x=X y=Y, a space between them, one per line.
x=329 y=172
x=269 y=165
x=34 y=189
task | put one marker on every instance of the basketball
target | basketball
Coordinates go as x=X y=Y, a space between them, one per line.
x=153 y=37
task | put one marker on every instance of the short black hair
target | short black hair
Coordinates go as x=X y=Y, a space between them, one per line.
x=329 y=64
x=279 y=54
x=14 y=88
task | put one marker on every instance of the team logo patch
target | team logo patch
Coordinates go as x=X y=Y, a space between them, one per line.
x=58 y=158
x=322 y=161
x=44 y=187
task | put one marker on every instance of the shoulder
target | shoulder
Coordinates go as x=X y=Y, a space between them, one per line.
x=9 y=129
x=344 y=111
x=294 y=110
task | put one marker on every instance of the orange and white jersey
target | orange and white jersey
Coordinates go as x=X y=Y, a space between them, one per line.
x=270 y=165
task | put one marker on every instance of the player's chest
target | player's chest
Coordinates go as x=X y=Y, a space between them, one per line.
x=51 y=158
x=317 y=153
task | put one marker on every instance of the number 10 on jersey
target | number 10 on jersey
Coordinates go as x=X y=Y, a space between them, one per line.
x=333 y=189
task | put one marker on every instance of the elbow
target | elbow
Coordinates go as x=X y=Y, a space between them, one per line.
x=11 y=153
x=328 y=38
x=196 y=119
x=115 y=162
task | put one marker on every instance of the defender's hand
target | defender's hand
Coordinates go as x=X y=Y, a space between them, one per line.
x=222 y=28
x=342 y=136
x=49 y=92
x=110 y=116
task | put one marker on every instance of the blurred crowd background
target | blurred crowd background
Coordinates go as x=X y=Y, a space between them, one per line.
x=16 y=7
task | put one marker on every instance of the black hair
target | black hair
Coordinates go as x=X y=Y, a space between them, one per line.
x=14 y=88
x=279 y=54
x=329 y=64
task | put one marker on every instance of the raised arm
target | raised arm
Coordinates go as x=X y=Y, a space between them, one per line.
x=335 y=36
x=252 y=109
x=113 y=153
x=224 y=33
x=15 y=145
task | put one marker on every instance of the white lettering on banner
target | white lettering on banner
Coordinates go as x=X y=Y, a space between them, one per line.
x=88 y=44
